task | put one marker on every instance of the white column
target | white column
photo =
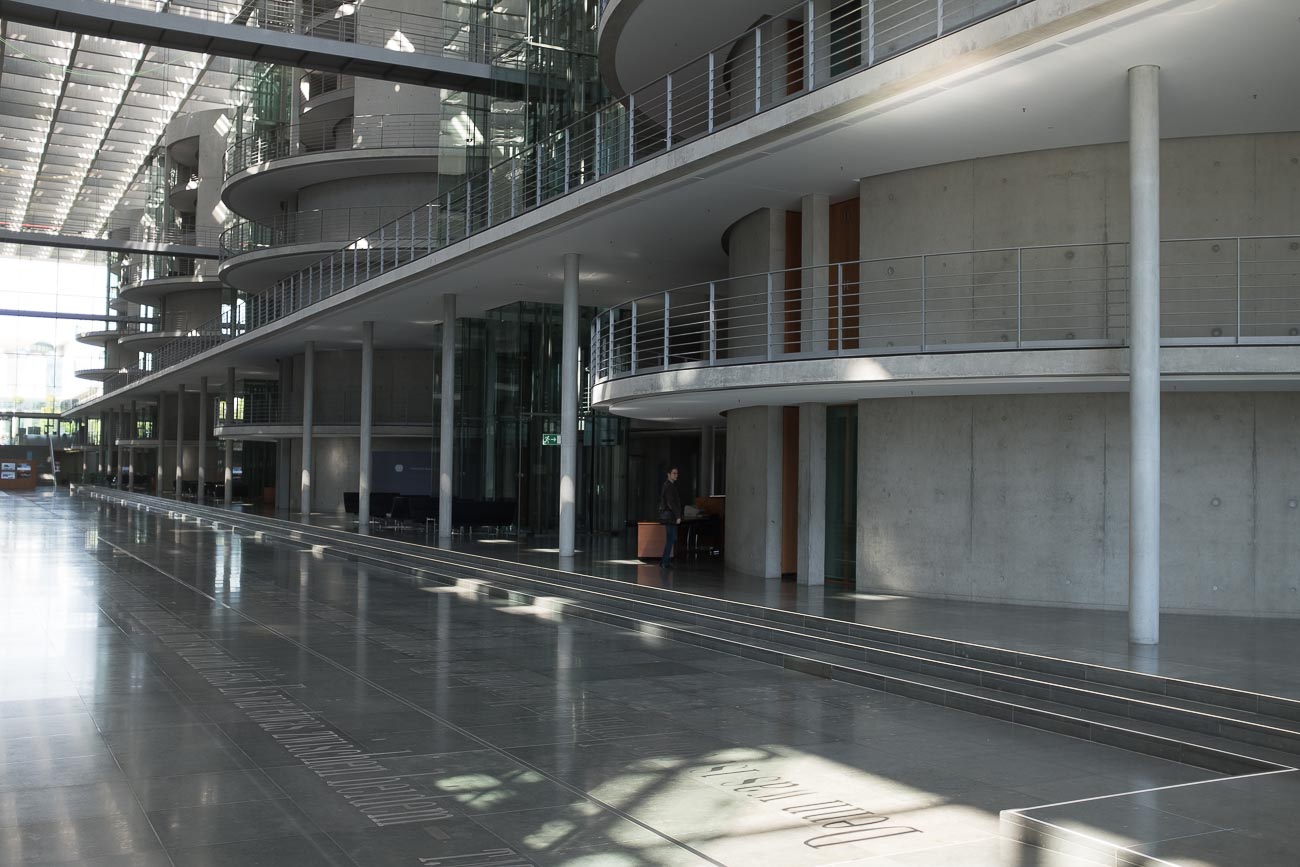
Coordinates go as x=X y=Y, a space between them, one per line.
x=180 y=438
x=812 y=494
x=569 y=409
x=103 y=443
x=228 y=481
x=367 y=425
x=203 y=437
x=815 y=253
x=132 y=432
x=308 y=411
x=160 y=465
x=447 y=428
x=1144 y=355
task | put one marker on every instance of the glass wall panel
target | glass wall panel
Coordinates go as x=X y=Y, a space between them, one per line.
x=841 y=492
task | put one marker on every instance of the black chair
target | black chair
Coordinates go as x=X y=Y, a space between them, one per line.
x=399 y=512
x=351 y=502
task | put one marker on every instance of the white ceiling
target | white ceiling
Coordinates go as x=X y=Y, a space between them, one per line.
x=78 y=117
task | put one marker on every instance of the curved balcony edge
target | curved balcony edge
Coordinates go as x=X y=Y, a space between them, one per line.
x=700 y=392
x=254 y=193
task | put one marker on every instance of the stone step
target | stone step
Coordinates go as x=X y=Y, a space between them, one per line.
x=1162 y=716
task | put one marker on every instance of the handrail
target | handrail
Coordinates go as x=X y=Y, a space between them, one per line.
x=351 y=133
x=1213 y=291
x=785 y=57
x=327 y=225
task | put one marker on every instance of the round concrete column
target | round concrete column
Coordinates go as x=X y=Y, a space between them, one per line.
x=447 y=418
x=1144 y=355
x=367 y=426
x=569 y=410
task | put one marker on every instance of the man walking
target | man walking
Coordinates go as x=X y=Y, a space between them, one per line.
x=670 y=515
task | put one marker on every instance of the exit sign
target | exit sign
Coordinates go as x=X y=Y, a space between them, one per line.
x=550 y=439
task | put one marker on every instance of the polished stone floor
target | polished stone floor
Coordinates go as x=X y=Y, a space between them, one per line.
x=177 y=695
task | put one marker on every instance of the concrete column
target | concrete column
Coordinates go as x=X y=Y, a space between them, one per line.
x=308 y=411
x=812 y=493
x=367 y=425
x=204 y=424
x=706 y=460
x=447 y=418
x=569 y=409
x=815 y=299
x=1144 y=355
x=103 y=443
x=133 y=431
x=180 y=439
x=754 y=459
x=160 y=466
x=228 y=480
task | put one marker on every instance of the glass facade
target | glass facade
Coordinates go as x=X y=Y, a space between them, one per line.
x=508 y=394
x=841 y=492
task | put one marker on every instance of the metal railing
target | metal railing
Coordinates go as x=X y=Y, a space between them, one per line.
x=334 y=225
x=314 y=83
x=784 y=57
x=1213 y=291
x=477 y=37
x=152 y=267
x=355 y=132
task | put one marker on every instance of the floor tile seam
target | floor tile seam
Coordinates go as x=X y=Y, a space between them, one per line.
x=1063 y=835
x=268 y=840
x=535 y=768
x=1127 y=672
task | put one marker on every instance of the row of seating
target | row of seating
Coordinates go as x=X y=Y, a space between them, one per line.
x=401 y=509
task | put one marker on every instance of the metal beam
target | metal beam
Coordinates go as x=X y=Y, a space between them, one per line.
x=190 y=33
x=81 y=317
x=108 y=245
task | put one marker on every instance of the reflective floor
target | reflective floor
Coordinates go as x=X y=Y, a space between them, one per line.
x=176 y=695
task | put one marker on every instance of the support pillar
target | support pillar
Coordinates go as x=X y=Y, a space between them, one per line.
x=204 y=425
x=159 y=427
x=1144 y=355
x=180 y=439
x=754 y=485
x=447 y=417
x=103 y=443
x=133 y=433
x=308 y=410
x=228 y=480
x=367 y=425
x=815 y=300
x=812 y=494
x=569 y=409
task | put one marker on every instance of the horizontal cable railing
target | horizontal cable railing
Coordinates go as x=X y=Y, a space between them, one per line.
x=359 y=132
x=1213 y=291
x=481 y=36
x=784 y=57
x=313 y=83
x=332 y=225
x=152 y=267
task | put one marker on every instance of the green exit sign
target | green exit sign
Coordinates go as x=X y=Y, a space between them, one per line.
x=550 y=439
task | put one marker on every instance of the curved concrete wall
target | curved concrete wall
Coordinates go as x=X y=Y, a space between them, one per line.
x=1025 y=499
x=1210 y=187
